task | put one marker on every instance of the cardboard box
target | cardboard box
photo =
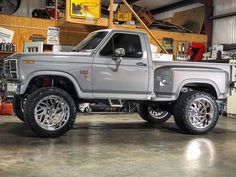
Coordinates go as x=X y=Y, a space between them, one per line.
x=146 y=16
x=162 y=57
x=123 y=14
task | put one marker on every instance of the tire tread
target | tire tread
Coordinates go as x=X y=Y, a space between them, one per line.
x=181 y=112
x=29 y=109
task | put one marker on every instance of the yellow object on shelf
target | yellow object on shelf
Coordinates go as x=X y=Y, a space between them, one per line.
x=87 y=9
x=123 y=14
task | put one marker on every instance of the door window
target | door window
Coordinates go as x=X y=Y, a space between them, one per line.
x=130 y=42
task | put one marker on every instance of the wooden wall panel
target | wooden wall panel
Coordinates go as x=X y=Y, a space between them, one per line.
x=72 y=34
x=71 y=38
x=26 y=22
x=24 y=27
x=179 y=37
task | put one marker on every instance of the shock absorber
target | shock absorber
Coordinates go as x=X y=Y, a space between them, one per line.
x=47 y=82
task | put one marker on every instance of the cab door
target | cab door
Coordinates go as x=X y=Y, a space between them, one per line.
x=123 y=76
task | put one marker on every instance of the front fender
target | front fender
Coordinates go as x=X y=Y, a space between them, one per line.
x=23 y=85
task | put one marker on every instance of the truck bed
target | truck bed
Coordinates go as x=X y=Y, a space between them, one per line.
x=171 y=76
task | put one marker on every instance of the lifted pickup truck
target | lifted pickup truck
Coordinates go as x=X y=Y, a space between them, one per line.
x=115 y=65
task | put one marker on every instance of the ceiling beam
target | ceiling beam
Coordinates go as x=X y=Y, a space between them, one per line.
x=230 y=14
x=179 y=4
x=208 y=22
x=132 y=1
x=104 y=8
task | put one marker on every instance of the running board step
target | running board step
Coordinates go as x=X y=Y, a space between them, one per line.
x=116 y=103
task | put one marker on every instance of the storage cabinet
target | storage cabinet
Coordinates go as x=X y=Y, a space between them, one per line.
x=231 y=101
x=3 y=54
x=231 y=105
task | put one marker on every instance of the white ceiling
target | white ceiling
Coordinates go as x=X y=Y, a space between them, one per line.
x=151 y=4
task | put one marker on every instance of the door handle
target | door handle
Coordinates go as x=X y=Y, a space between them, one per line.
x=141 y=64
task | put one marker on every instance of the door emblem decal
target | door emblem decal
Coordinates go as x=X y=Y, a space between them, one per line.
x=85 y=74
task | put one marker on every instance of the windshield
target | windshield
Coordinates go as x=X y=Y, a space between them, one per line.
x=90 y=42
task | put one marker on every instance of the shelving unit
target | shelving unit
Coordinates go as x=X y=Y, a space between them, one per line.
x=231 y=105
x=4 y=54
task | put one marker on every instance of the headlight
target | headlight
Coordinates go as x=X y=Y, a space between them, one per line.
x=13 y=65
x=11 y=68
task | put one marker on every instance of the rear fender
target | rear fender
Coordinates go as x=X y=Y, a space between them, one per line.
x=196 y=81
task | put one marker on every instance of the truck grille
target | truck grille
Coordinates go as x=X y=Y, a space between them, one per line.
x=11 y=68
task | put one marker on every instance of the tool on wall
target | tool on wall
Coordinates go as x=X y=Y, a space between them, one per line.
x=197 y=50
x=168 y=44
x=183 y=51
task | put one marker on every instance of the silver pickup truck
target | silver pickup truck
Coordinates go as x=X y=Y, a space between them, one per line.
x=115 y=65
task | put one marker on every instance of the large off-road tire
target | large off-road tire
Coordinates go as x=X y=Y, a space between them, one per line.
x=196 y=112
x=50 y=112
x=18 y=107
x=153 y=114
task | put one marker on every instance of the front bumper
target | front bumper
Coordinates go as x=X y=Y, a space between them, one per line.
x=233 y=85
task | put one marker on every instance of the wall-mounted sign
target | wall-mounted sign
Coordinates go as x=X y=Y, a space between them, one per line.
x=53 y=31
x=6 y=35
x=53 y=35
x=85 y=9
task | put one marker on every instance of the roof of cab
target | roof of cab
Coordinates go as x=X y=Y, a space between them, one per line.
x=120 y=30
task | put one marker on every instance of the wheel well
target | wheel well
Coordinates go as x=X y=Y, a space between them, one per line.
x=52 y=81
x=200 y=87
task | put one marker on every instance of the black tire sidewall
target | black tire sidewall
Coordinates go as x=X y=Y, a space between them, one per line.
x=145 y=114
x=17 y=107
x=33 y=100
x=181 y=111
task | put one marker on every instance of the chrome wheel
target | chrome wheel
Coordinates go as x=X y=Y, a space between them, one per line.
x=201 y=113
x=52 y=113
x=157 y=113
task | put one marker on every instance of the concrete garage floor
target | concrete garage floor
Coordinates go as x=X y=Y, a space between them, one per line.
x=117 y=145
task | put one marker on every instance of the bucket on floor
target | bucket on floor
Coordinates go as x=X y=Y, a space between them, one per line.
x=6 y=108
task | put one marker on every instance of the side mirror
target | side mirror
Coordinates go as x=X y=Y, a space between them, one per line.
x=120 y=52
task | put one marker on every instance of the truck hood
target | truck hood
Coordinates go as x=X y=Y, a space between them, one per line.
x=64 y=62
x=49 y=54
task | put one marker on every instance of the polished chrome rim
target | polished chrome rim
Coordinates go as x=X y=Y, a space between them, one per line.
x=52 y=113
x=157 y=113
x=201 y=113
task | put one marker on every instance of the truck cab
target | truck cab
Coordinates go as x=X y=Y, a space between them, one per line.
x=121 y=67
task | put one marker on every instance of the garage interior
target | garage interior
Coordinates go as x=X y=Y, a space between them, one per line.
x=110 y=138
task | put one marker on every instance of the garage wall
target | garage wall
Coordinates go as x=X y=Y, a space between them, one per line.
x=224 y=30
